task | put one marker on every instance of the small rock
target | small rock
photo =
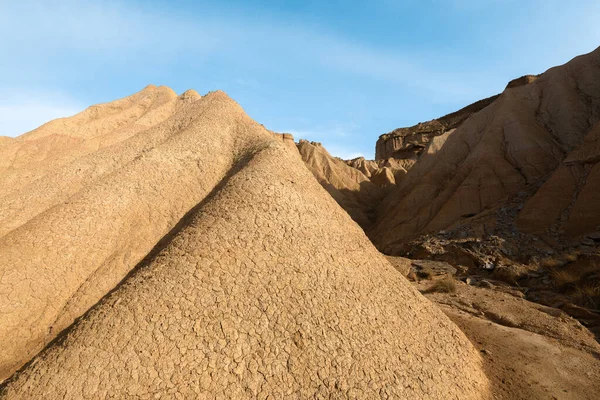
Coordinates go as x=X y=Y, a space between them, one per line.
x=470 y=281
x=489 y=266
x=485 y=284
x=486 y=352
x=433 y=268
x=588 y=242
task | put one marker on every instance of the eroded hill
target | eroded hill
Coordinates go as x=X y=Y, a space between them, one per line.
x=199 y=257
x=170 y=245
x=532 y=150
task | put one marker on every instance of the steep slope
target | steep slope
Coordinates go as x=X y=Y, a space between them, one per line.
x=260 y=286
x=540 y=134
x=567 y=203
x=87 y=228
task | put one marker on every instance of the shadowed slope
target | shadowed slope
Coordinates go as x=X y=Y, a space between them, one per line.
x=348 y=186
x=514 y=143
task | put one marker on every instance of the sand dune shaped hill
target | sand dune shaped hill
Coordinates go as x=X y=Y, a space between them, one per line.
x=250 y=280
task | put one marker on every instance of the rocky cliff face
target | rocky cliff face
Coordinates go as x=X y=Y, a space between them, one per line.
x=533 y=150
x=409 y=143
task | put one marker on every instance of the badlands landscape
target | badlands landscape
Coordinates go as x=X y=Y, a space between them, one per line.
x=169 y=246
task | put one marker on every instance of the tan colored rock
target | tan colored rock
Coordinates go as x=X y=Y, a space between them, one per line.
x=47 y=166
x=59 y=142
x=401 y=264
x=409 y=143
x=384 y=177
x=98 y=203
x=524 y=80
x=398 y=167
x=367 y=167
x=250 y=281
x=372 y=168
x=287 y=139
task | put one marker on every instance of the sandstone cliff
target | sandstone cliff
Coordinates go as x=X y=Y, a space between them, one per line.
x=528 y=162
x=409 y=143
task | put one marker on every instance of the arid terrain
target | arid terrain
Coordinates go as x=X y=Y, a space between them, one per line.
x=169 y=246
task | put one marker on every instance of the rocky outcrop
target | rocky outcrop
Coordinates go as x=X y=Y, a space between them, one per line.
x=287 y=139
x=524 y=80
x=357 y=185
x=384 y=177
x=567 y=202
x=367 y=167
x=370 y=168
x=203 y=260
x=409 y=143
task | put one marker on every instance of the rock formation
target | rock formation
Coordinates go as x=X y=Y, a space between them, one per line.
x=524 y=80
x=409 y=143
x=200 y=258
x=398 y=167
x=165 y=245
x=367 y=167
x=529 y=160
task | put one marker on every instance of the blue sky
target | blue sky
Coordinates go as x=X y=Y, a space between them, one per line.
x=338 y=72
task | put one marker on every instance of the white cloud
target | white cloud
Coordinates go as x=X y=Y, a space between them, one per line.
x=21 y=113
